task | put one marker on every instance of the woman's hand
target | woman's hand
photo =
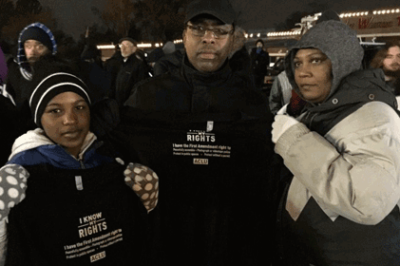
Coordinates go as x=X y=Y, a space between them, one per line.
x=280 y=125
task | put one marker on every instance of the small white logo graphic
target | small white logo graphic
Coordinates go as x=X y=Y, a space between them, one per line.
x=98 y=256
x=200 y=161
x=210 y=126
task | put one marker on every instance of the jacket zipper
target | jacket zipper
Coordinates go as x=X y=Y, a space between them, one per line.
x=78 y=178
x=83 y=152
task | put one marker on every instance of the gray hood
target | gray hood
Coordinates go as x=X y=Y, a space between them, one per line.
x=338 y=42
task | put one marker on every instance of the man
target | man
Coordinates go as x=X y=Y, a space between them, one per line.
x=35 y=41
x=132 y=69
x=260 y=62
x=388 y=59
x=7 y=116
x=239 y=59
x=203 y=127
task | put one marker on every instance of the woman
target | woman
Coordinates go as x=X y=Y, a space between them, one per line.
x=341 y=207
x=78 y=209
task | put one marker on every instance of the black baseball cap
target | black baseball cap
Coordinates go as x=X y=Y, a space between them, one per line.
x=221 y=9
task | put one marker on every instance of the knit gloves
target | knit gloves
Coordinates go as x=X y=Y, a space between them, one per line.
x=280 y=125
x=144 y=182
x=13 y=183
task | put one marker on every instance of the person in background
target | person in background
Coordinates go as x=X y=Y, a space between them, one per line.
x=281 y=93
x=80 y=183
x=259 y=62
x=153 y=57
x=283 y=99
x=169 y=62
x=239 y=59
x=168 y=48
x=388 y=59
x=91 y=70
x=8 y=113
x=133 y=70
x=171 y=59
x=113 y=66
x=35 y=41
x=341 y=206
x=90 y=53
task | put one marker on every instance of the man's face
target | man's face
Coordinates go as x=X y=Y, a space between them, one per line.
x=127 y=48
x=391 y=63
x=208 y=43
x=34 y=50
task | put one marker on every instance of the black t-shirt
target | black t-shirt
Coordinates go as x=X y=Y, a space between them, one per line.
x=217 y=186
x=104 y=223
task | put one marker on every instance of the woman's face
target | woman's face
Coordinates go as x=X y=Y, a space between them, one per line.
x=313 y=74
x=66 y=121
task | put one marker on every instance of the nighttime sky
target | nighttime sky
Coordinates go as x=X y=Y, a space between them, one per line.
x=75 y=15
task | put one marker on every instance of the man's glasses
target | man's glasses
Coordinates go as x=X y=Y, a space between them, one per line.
x=218 y=33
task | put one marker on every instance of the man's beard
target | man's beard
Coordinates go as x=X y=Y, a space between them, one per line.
x=33 y=59
x=392 y=73
x=126 y=54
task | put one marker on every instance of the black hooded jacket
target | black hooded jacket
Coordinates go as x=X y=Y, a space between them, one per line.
x=206 y=135
x=131 y=72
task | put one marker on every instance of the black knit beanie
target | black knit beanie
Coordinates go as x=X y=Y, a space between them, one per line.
x=37 y=34
x=128 y=39
x=50 y=87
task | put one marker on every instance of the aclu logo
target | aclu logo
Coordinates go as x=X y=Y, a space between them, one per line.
x=200 y=161
x=98 y=256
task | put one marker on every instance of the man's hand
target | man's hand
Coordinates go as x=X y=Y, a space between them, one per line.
x=144 y=182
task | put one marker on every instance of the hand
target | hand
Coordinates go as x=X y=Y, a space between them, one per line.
x=144 y=182
x=280 y=125
x=13 y=184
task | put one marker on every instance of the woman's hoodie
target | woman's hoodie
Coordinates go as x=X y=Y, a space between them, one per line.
x=351 y=86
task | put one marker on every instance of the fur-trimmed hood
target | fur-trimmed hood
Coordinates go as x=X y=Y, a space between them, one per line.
x=21 y=56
